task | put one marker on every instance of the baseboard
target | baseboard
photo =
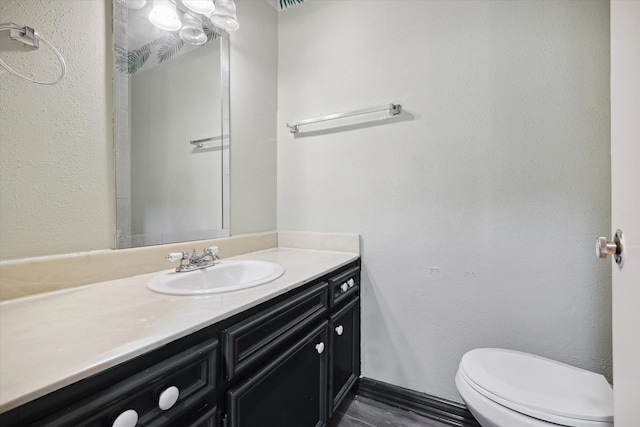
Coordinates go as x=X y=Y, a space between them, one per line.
x=435 y=408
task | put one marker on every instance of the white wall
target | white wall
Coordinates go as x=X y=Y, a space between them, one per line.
x=479 y=205
x=477 y=208
x=254 y=68
x=56 y=152
x=176 y=187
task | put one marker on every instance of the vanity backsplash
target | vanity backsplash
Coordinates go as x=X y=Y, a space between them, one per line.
x=24 y=277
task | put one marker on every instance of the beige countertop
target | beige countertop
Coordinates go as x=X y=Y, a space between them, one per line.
x=51 y=340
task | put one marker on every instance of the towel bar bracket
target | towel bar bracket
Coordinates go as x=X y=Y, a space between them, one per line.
x=395 y=109
x=26 y=36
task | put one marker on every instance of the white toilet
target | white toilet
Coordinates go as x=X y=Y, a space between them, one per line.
x=506 y=388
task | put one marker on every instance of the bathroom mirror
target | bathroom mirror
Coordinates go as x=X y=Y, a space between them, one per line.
x=171 y=97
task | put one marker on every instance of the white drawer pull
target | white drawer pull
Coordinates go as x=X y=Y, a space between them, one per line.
x=344 y=287
x=351 y=282
x=168 y=398
x=320 y=348
x=128 y=418
x=339 y=330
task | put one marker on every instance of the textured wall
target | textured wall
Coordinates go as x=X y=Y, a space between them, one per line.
x=479 y=205
x=254 y=68
x=56 y=151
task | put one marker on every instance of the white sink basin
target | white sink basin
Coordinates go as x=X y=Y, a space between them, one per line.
x=225 y=276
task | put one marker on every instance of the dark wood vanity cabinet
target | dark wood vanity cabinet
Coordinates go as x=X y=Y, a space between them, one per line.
x=287 y=362
x=299 y=357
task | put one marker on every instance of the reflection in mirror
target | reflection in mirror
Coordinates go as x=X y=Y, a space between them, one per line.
x=171 y=125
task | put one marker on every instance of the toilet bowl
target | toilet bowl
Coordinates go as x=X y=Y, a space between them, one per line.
x=506 y=388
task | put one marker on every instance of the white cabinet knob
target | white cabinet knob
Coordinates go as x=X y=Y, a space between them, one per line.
x=351 y=282
x=128 y=418
x=344 y=287
x=168 y=398
x=320 y=348
x=339 y=330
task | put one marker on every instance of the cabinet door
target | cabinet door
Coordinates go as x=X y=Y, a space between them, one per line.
x=344 y=368
x=290 y=391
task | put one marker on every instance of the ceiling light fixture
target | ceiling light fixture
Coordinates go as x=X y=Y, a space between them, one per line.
x=164 y=16
x=191 y=31
x=225 y=15
x=205 y=7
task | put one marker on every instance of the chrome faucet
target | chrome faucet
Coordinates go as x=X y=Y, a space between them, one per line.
x=207 y=259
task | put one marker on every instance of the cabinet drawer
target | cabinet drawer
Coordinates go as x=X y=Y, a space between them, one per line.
x=192 y=372
x=258 y=337
x=342 y=286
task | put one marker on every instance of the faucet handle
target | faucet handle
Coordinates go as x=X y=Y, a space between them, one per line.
x=212 y=252
x=175 y=256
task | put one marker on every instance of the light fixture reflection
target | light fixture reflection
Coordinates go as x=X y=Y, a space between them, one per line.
x=225 y=15
x=191 y=31
x=164 y=16
x=205 y=7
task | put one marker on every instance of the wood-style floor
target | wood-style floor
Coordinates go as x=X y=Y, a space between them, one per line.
x=356 y=411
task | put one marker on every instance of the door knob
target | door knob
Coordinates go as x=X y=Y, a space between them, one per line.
x=615 y=248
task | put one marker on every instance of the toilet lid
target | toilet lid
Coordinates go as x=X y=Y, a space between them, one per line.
x=539 y=387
